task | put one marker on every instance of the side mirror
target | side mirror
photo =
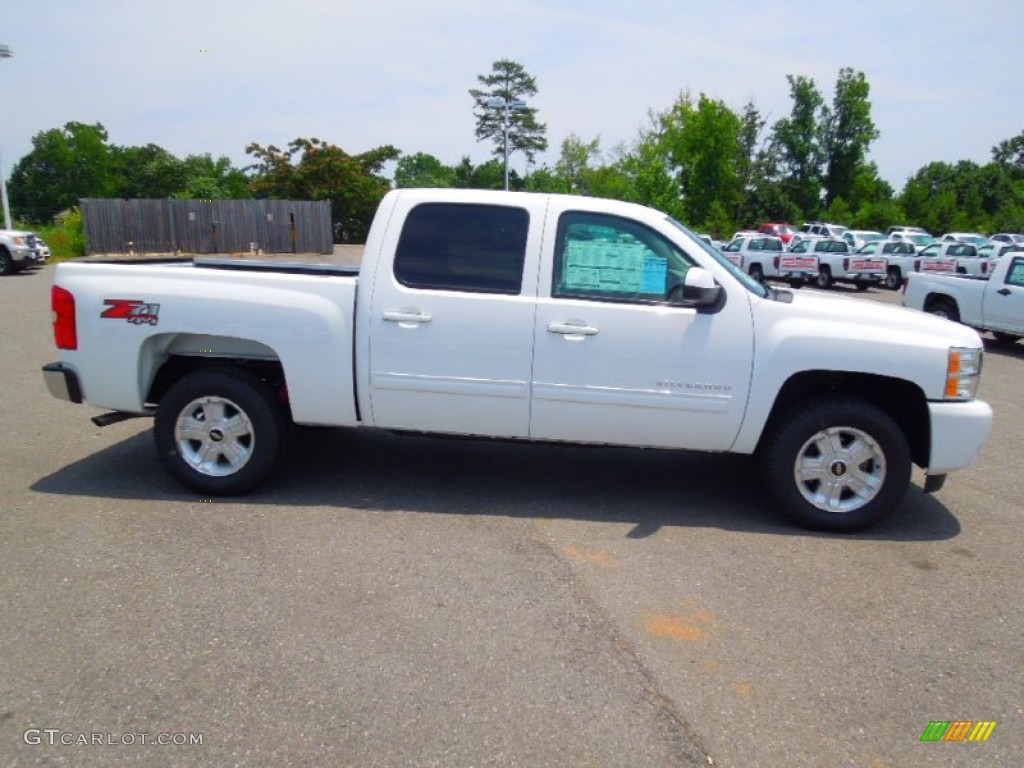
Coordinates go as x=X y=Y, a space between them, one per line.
x=698 y=289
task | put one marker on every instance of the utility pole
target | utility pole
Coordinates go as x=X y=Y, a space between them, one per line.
x=506 y=107
x=5 y=53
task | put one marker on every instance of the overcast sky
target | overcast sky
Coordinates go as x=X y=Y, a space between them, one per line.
x=197 y=76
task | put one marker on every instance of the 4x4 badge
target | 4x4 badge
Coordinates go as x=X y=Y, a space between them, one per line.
x=134 y=311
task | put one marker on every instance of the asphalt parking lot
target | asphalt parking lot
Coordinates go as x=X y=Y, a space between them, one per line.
x=405 y=601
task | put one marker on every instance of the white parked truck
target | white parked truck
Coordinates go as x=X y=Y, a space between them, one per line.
x=995 y=304
x=532 y=317
x=836 y=263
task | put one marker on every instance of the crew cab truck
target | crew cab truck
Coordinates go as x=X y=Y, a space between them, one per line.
x=995 y=304
x=525 y=316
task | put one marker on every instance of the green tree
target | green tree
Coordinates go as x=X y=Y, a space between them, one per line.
x=798 y=139
x=489 y=175
x=847 y=133
x=648 y=169
x=703 y=144
x=311 y=169
x=422 y=170
x=209 y=179
x=149 y=171
x=1010 y=151
x=508 y=82
x=574 y=166
x=65 y=164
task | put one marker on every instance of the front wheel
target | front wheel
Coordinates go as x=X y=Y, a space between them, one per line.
x=838 y=465
x=219 y=431
x=6 y=263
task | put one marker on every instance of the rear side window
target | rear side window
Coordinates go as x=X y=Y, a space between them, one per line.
x=463 y=247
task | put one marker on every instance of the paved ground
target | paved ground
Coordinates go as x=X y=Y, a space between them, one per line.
x=409 y=601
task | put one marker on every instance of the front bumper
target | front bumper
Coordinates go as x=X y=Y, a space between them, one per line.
x=62 y=382
x=959 y=430
x=27 y=257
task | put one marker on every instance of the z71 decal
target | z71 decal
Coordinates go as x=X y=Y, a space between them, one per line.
x=135 y=312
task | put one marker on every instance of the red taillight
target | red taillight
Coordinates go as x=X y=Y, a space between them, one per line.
x=65 y=330
x=846 y=265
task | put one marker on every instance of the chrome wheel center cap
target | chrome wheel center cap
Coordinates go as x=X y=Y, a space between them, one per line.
x=838 y=468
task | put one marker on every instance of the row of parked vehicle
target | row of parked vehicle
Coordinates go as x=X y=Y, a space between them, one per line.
x=826 y=253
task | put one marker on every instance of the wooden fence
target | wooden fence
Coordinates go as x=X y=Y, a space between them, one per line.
x=207 y=226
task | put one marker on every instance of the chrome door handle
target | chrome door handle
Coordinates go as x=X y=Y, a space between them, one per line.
x=571 y=329
x=406 y=316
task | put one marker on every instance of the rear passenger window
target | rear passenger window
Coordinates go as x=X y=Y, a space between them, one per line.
x=463 y=247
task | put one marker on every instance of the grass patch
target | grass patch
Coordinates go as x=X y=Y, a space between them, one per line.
x=65 y=239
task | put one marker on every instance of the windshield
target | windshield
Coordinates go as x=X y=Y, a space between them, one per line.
x=748 y=282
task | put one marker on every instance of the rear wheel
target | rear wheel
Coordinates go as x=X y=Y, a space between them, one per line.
x=945 y=308
x=219 y=431
x=893 y=279
x=839 y=465
x=824 y=278
x=757 y=273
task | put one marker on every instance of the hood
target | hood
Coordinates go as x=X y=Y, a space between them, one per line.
x=892 y=321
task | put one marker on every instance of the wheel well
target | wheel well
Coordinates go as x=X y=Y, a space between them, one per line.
x=902 y=400
x=178 y=366
x=938 y=298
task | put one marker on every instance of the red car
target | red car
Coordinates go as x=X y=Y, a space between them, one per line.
x=784 y=232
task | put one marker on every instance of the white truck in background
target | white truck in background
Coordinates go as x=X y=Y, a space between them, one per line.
x=21 y=250
x=837 y=264
x=531 y=317
x=995 y=304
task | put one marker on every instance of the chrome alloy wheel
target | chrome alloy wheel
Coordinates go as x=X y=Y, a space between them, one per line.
x=840 y=469
x=214 y=436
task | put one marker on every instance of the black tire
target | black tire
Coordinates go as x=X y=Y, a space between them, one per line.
x=6 y=263
x=860 y=453
x=824 y=278
x=757 y=273
x=1006 y=338
x=232 y=440
x=893 y=279
x=861 y=285
x=945 y=308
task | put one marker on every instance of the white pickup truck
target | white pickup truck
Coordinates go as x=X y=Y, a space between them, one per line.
x=995 y=304
x=526 y=316
x=837 y=264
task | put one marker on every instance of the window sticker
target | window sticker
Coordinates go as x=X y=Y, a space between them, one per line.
x=613 y=267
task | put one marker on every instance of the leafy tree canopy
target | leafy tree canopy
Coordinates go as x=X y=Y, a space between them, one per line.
x=311 y=169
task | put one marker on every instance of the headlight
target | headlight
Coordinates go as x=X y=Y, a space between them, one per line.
x=963 y=372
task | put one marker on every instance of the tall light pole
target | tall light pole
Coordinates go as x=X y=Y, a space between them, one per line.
x=507 y=107
x=5 y=53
